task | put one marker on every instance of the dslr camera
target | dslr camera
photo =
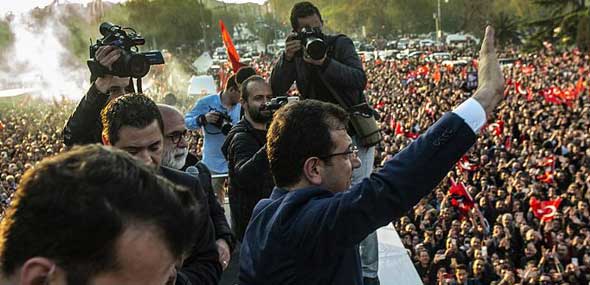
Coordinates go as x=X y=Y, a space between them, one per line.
x=312 y=40
x=269 y=108
x=224 y=123
x=131 y=63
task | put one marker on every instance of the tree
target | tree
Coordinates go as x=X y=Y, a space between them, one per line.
x=507 y=29
x=562 y=24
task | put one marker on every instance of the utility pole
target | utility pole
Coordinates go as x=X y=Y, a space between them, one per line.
x=439 y=24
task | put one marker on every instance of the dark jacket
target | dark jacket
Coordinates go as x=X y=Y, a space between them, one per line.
x=310 y=236
x=342 y=69
x=249 y=174
x=217 y=213
x=202 y=265
x=84 y=127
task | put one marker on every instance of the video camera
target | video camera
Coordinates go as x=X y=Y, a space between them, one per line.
x=312 y=40
x=269 y=108
x=131 y=63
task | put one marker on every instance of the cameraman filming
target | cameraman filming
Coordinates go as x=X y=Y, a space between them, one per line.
x=214 y=115
x=338 y=72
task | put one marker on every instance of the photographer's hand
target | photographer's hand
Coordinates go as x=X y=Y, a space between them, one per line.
x=212 y=117
x=292 y=46
x=106 y=56
x=490 y=90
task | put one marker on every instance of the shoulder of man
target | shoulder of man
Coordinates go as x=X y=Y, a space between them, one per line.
x=241 y=127
x=180 y=178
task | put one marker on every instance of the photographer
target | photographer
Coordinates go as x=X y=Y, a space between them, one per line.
x=337 y=77
x=84 y=126
x=214 y=115
x=249 y=175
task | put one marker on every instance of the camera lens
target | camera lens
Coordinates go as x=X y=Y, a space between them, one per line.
x=137 y=65
x=316 y=48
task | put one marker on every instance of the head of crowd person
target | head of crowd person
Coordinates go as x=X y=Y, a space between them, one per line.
x=231 y=91
x=133 y=123
x=255 y=92
x=305 y=14
x=307 y=145
x=88 y=215
x=175 y=137
x=244 y=73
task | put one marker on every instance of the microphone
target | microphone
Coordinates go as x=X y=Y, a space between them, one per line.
x=192 y=171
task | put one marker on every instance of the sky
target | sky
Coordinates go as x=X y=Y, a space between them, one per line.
x=25 y=5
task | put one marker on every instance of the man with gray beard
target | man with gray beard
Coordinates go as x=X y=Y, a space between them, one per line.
x=176 y=155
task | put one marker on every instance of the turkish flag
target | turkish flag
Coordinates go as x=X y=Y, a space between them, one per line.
x=460 y=198
x=465 y=164
x=423 y=70
x=545 y=210
x=529 y=96
x=232 y=53
x=497 y=128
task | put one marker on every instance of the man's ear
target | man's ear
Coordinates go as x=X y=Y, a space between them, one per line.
x=105 y=139
x=313 y=168
x=38 y=270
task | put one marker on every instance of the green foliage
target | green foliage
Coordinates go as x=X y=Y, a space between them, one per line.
x=5 y=35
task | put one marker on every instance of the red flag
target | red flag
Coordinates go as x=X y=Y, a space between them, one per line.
x=497 y=128
x=465 y=164
x=545 y=210
x=412 y=135
x=398 y=129
x=1 y=126
x=436 y=76
x=423 y=70
x=546 y=177
x=519 y=88
x=460 y=198
x=232 y=53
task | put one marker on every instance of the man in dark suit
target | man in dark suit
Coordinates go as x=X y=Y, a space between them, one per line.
x=309 y=229
x=134 y=123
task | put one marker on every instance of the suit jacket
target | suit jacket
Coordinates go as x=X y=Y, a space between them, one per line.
x=202 y=265
x=310 y=236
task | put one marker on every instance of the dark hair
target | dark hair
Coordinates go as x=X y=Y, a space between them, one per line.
x=244 y=73
x=133 y=110
x=298 y=131
x=244 y=87
x=302 y=10
x=460 y=267
x=231 y=83
x=73 y=207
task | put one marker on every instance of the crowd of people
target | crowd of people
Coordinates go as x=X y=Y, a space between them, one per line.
x=536 y=148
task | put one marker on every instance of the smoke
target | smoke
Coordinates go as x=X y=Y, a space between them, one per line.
x=39 y=59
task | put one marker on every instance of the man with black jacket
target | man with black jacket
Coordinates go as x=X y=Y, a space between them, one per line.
x=244 y=148
x=339 y=73
x=84 y=127
x=175 y=155
x=134 y=123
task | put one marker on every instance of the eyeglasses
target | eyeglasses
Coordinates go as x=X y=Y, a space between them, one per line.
x=177 y=136
x=352 y=152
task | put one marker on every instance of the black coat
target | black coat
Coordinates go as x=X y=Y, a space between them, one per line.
x=249 y=174
x=202 y=267
x=343 y=70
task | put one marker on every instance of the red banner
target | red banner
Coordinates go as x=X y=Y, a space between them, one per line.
x=545 y=210
x=232 y=53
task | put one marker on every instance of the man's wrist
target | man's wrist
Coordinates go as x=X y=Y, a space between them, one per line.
x=101 y=85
